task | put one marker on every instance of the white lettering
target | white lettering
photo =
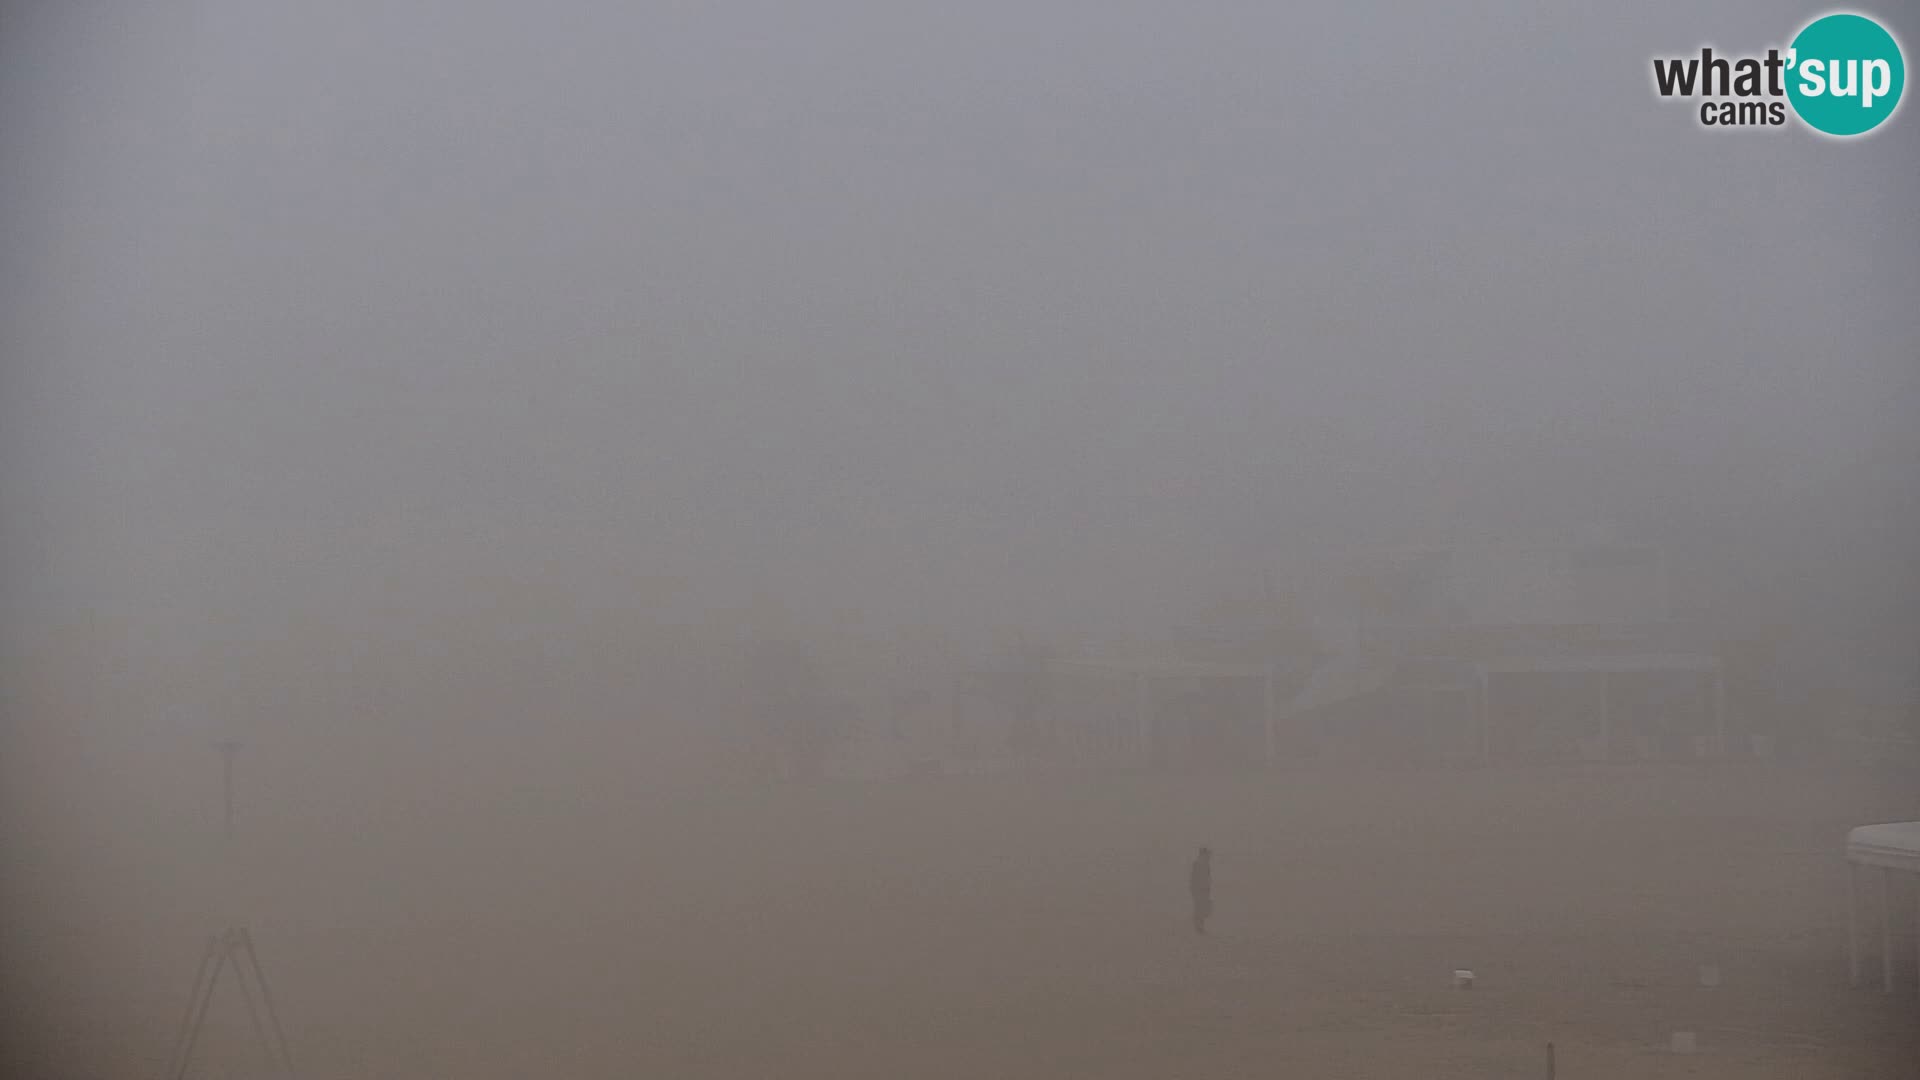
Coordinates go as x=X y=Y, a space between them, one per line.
x=1870 y=87
x=1852 y=85
x=1813 y=77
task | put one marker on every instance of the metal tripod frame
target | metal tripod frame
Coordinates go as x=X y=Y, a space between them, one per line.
x=232 y=948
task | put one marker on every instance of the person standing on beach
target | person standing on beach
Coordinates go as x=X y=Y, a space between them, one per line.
x=1200 y=886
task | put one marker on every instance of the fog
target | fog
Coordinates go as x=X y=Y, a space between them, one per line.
x=457 y=401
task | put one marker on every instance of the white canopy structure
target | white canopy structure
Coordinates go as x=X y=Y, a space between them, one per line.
x=1607 y=667
x=1144 y=671
x=1892 y=848
x=1341 y=677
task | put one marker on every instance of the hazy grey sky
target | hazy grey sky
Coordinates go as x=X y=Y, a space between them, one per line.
x=999 y=313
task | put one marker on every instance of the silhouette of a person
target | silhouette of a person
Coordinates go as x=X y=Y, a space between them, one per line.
x=1200 y=886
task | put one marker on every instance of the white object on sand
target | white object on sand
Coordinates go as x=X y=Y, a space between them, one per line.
x=1892 y=848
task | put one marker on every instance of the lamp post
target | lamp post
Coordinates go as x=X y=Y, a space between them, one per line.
x=231 y=948
x=228 y=748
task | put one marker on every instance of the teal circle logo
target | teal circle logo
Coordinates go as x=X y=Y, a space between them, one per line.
x=1845 y=74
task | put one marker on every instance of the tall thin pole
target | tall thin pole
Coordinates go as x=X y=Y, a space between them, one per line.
x=228 y=748
x=1719 y=709
x=232 y=948
x=1853 y=924
x=1143 y=713
x=1267 y=700
x=1886 y=929
x=1486 y=716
